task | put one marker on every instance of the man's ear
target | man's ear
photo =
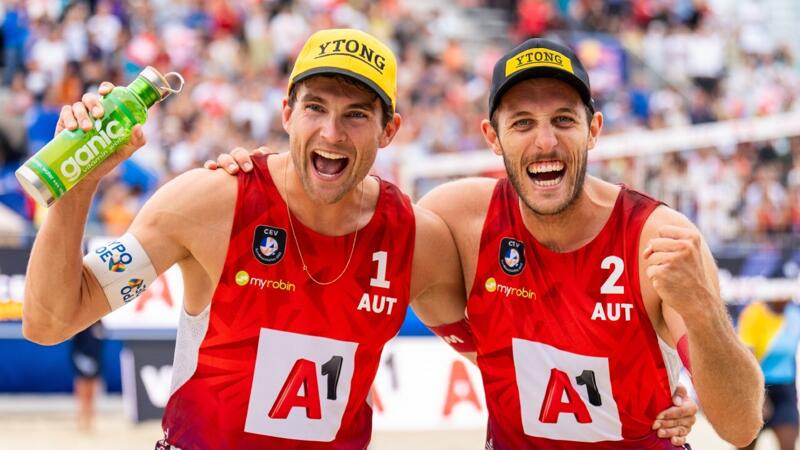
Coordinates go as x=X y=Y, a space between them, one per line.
x=490 y=135
x=594 y=129
x=286 y=114
x=390 y=131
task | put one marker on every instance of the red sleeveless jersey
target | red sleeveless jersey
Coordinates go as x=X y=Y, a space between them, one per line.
x=287 y=363
x=568 y=355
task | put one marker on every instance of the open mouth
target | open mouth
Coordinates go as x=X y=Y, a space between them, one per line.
x=546 y=173
x=328 y=164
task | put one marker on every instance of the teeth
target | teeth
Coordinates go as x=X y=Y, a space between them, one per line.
x=544 y=167
x=546 y=183
x=328 y=155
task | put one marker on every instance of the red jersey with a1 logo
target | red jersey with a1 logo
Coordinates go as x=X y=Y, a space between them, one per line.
x=287 y=363
x=568 y=355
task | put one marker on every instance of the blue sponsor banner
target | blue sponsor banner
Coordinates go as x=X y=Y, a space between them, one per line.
x=29 y=367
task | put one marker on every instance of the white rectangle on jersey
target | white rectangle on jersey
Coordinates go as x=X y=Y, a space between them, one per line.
x=533 y=362
x=277 y=353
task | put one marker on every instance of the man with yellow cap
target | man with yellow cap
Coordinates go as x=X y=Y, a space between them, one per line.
x=296 y=274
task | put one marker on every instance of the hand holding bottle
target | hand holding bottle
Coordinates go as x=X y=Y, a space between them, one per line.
x=83 y=115
x=94 y=135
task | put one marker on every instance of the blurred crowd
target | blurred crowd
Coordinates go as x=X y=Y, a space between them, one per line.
x=653 y=64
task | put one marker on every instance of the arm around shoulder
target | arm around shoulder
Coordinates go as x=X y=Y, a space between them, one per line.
x=437 y=285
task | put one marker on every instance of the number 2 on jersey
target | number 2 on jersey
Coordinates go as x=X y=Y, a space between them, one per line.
x=610 y=286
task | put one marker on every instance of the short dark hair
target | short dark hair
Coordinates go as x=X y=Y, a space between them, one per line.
x=386 y=112
x=589 y=115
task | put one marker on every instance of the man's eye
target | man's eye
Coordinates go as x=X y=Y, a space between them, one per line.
x=522 y=123
x=564 y=120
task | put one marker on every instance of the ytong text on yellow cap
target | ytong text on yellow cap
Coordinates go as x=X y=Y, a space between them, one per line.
x=352 y=53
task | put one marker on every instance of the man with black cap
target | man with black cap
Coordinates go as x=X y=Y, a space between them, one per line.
x=584 y=296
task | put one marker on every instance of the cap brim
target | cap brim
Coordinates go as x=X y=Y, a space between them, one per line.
x=339 y=71
x=543 y=72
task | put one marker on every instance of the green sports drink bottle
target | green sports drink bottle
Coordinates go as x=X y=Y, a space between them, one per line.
x=65 y=160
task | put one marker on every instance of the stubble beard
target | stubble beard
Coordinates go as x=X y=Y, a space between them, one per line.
x=518 y=183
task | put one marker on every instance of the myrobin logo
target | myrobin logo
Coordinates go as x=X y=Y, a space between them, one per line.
x=492 y=286
x=353 y=49
x=540 y=57
x=242 y=278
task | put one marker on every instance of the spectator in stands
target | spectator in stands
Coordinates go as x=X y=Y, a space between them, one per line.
x=15 y=33
x=765 y=201
x=676 y=71
x=15 y=101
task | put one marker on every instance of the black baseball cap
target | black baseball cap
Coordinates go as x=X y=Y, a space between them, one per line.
x=539 y=58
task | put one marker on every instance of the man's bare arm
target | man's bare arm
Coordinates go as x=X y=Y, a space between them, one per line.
x=437 y=289
x=682 y=273
x=62 y=296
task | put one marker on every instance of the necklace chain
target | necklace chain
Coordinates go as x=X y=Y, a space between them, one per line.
x=297 y=243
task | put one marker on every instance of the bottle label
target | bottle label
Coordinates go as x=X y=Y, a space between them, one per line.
x=63 y=162
x=87 y=156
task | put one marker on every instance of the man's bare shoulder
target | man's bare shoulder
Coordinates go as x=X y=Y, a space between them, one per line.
x=460 y=199
x=430 y=227
x=197 y=189
x=664 y=215
x=195 y=198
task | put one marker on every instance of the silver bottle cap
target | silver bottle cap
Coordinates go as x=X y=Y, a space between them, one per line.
x=162 y=82
x=34 y=187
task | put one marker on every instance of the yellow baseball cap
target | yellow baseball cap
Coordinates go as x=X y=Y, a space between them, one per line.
x=352 y=53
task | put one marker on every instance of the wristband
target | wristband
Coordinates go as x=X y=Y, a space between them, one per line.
x=122 y=268
x=457 y=334
x=683 y=352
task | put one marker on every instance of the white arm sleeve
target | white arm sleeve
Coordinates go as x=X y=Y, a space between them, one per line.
x=123 y=269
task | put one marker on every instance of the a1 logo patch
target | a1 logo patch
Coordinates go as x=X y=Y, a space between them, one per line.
x=301 y=386
x=566 y=396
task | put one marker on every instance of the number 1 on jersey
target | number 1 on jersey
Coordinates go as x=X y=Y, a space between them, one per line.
x=381 y=280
